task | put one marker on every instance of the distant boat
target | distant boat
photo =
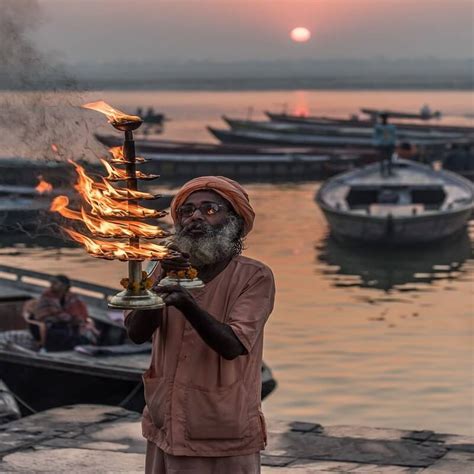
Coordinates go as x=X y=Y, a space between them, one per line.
x=411 y=204
x=334 y=130
x=425 y=113
x=315 y=139
x=248 y=162
x=367 y=123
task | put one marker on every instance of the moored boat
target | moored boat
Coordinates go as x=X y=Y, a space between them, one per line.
x=398 y=204
x=244 y=162
x=335 y=130
x=314 y=139
x=109 y=373
x=366 y=123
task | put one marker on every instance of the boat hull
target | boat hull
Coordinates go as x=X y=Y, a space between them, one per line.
x=42 y=384
x=395 y=231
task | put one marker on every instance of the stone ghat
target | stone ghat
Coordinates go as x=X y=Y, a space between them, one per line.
x=99 y=439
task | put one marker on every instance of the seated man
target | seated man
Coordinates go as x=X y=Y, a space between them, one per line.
x=65 y=317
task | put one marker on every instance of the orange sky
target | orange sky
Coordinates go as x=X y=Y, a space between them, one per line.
x=255 y=29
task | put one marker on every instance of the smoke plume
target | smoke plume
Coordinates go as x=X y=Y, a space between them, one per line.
x=39 y=100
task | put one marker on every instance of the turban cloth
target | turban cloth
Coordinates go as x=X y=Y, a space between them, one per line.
x=230 y=190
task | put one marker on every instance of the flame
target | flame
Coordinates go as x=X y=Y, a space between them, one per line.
x=119 y=250
x=103 y=228
x=122 y=193
x=55 y=148
x=121 y=175
x=113 y=115
x=105 y=206
x=117 y=154
x=43 y=186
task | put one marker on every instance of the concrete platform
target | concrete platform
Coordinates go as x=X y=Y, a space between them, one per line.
x=105 y=439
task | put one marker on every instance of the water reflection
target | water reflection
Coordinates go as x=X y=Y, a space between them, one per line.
x=387 y=269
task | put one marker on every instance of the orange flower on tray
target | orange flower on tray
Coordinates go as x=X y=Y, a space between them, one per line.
x=190 y=274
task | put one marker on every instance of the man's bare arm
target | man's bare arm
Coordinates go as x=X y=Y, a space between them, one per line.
x=141 y=324
x=218 y=336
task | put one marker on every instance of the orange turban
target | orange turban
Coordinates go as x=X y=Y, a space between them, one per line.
x=230 y=190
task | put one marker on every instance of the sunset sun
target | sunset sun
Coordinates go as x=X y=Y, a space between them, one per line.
x=300 y=34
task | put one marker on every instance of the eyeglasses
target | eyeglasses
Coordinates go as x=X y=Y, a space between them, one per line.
x=206 y=209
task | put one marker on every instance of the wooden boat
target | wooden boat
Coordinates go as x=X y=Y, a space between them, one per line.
x=244 y=162
x=307 y=139
x=425 y=113
x=367 y=123
x=409 y=203
x=335 y=130
x=110 y=373
x=173 y=150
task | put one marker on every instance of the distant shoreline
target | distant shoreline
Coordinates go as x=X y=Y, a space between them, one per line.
x=246 y=85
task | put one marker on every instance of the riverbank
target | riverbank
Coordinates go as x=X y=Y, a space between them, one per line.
x=98 y=438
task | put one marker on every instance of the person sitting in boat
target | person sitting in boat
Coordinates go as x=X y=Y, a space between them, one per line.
x=59 y=320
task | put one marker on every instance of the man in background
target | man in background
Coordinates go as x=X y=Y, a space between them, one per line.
x=59 y=319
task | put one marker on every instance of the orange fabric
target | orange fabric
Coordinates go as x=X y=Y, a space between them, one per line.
x=197 y=402
x=159 y=462
x=230 y=190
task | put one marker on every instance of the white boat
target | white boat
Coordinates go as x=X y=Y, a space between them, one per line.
x=406 y=203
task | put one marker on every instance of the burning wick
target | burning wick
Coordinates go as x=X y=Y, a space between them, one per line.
x=43 y=186
x=114 y=116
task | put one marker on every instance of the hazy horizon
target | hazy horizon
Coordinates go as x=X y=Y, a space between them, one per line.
x=241 y=30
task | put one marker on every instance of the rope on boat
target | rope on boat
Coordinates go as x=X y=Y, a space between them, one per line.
x=130 y=395
x=22 y=402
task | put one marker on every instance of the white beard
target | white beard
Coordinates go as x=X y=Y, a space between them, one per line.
x=216 y=245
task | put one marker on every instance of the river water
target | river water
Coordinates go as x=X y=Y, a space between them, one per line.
x=358 y=336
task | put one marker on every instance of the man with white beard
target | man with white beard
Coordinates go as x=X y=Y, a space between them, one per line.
x=202 y=390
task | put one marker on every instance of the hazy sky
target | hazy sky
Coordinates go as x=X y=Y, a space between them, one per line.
x=228 y=30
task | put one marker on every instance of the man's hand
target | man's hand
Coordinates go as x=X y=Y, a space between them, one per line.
x=176 y=295
x=176 y=261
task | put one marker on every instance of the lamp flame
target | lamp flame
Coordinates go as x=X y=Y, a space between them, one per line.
x=119 y=250
x=104 y=204
x=113 y=115
x=103 y=228
x=43 y=186
x=117 y=156
x=121 y=175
